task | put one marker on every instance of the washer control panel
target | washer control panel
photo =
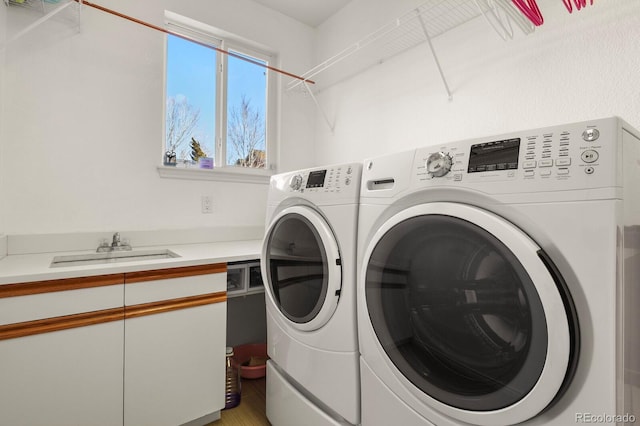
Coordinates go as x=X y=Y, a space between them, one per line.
x=547 y=158
x=334 y=179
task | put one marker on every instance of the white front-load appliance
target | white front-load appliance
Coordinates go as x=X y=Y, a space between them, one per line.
x=499 y=280
x=308 y=263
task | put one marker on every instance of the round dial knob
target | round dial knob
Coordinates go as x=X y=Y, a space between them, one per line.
x=438 y=164
x=296 y=182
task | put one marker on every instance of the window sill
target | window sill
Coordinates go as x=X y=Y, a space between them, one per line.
x=220 y=175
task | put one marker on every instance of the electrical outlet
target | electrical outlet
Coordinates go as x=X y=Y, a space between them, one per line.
x=207 y=204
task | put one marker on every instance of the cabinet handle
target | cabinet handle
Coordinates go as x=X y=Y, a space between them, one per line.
x=163 y=274
x=47 y=325
x=151 y=308
x=49 y=286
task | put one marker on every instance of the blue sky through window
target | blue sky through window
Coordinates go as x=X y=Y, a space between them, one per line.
x=248 y=80
x=191 y=74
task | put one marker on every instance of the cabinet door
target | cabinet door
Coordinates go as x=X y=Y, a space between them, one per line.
x=66 y=377
x=61 y=346
x=175 y=334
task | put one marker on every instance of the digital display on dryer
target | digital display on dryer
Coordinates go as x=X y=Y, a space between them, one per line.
x=492 y=156
x=316 y=179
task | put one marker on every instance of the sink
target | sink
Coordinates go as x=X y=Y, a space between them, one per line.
x=111 y=257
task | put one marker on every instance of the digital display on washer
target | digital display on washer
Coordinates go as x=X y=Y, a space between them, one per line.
x=491 y=156
x=316 y=179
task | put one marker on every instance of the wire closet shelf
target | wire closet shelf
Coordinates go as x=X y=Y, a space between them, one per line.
x=419 y=25
x=47 y=9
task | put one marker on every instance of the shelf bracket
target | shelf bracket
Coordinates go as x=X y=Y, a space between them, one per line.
x=315 y=101
x=433 y=52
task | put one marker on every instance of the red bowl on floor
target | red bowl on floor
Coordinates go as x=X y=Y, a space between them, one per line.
x=252 y=359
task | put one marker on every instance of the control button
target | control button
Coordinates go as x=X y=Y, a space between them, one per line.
x=529 y=173
x=546 y=172
x=529 y=164
x=589 y=156
x=589 y=170
x=457 y=177
x=347 y=181
x=296 y=182
x=349 y=170
x=511 y=173
x=545 y=163
x=563 y=162
x=590 y=135
x=438 y=164
x=562 y=172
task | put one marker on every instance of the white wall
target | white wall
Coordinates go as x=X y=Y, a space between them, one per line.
x=83 y=121
x=3 y=26
x=574 y=67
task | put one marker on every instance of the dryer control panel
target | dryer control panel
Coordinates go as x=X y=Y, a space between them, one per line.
x=572 y=156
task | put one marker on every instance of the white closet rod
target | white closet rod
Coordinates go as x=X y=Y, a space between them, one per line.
x=405 y=31
x=364 y=42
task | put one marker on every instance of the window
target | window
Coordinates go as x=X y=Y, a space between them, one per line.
x=219 y=114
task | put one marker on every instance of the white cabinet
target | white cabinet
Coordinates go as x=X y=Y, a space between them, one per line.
x=141 y=348
x=61 y=352
x=175 y=337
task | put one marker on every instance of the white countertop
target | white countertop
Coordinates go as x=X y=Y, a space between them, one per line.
x=36 y=267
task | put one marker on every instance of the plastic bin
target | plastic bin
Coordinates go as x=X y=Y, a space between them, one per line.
x=251 y=359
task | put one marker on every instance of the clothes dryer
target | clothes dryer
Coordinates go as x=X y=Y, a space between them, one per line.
x=308 y=263
x=499 y=280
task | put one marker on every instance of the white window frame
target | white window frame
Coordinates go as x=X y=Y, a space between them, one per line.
x=221 y=172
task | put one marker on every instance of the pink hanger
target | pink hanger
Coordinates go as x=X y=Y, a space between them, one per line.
x=579 y=4
x=530 y=9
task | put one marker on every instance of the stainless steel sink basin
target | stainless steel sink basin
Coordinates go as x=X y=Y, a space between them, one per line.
x=111 y=257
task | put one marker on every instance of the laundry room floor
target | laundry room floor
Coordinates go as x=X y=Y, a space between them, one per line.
x=252 y=408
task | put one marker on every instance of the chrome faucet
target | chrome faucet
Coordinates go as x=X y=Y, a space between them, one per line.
x=116 y=245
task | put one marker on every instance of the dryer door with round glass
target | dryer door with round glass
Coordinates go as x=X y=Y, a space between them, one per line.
x=301 y=263
x=473 y=320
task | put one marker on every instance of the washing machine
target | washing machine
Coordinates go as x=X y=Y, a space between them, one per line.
x=499 y=280
x=308 y=263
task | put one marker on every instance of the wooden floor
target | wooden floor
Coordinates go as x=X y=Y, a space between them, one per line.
x=251 y=410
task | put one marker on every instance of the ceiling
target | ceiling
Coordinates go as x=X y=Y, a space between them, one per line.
x=310 y=12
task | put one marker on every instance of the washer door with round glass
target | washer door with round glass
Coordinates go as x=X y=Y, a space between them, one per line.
x=472 y=320
x=301 y=263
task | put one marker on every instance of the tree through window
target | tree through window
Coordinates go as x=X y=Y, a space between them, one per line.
x=216 y=104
